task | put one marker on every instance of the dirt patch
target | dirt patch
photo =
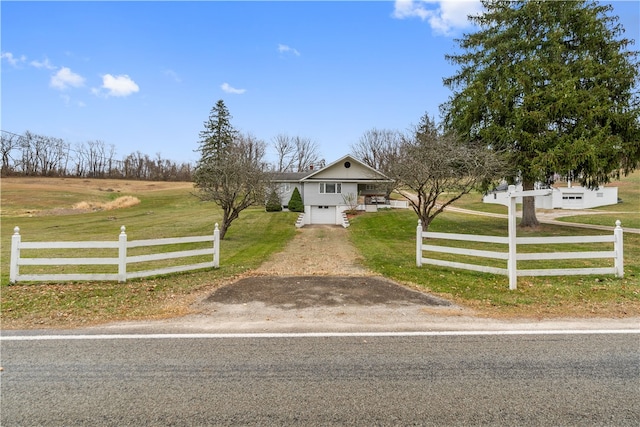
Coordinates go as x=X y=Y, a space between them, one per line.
x=119 y=203
x=86 y=207
x=317 y=281
x=317 y=291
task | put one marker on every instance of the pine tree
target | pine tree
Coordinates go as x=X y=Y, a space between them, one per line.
x=551 y=85
x=217 y=135
x=295 y=203
x=273 y=202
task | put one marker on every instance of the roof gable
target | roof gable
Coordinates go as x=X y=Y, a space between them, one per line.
x=347 y=168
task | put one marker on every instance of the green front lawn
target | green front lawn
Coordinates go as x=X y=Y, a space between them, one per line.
x=387 y=243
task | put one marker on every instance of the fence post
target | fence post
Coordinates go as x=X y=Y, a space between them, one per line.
x=618 y=249
x=15 y=255
x=122 y=255
x=419 y=244
x=512 y=266
x=216 y=246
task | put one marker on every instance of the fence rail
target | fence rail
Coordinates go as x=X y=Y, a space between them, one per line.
x=511 y=256
x=122 y=260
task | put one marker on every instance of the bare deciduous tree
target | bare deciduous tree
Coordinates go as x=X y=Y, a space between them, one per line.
x=236 y=181
x=307 y=154
x=9 y=143
x=296 y=154
x=378 y=148
x=285 y=150
x=40 y=155
x=437 y=169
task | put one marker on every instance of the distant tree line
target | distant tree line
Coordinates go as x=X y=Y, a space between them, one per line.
x=31 y=154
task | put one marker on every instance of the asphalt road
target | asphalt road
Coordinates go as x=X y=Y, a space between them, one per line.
x=529 y=379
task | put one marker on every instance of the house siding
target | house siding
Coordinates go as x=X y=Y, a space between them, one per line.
x=313 y=197
x=340 y=172
x=285 y=195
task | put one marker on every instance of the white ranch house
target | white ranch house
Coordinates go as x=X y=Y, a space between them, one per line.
x=326 y=192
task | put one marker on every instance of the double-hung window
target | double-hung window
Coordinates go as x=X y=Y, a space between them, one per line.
x=330 y=187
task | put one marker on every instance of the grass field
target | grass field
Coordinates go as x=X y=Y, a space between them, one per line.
x=44 y=211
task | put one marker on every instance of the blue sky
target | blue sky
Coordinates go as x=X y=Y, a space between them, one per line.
x=143 y=76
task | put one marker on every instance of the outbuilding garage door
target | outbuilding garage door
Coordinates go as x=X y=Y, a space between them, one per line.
x=323 y=215
x=572 y=200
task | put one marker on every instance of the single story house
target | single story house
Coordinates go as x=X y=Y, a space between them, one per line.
x=328 y=192
x=569 y=197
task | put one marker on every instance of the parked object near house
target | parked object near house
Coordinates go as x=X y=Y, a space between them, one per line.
x=570 y=197
x=328 y=192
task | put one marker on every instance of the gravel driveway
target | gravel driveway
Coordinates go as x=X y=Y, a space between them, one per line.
x=318 y=279
x=322 y=250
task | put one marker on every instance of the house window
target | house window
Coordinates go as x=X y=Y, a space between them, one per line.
x=330 y=187
x=286 y=187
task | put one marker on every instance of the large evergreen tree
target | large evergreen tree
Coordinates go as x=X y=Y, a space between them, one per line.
x=552 y=84
x=218 y=133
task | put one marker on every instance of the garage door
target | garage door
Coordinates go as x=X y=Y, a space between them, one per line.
x=572 y=201
x=323 y=215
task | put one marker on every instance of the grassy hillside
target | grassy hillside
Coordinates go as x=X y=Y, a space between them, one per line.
x=44 y=211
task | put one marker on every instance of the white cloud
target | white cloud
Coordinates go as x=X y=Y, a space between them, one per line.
x=121 y=86
x=173 y=75
x=444 y=16
x=43 y=64
x=69 y=102
x=227 y=88
x=283 y=48
x=66 y=78
x=12 y=60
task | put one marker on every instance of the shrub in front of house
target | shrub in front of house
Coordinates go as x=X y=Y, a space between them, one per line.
x=295 y=204
x=273 y=202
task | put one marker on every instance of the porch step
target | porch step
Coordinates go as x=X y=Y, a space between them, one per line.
x=345 y=220
x=300 y=220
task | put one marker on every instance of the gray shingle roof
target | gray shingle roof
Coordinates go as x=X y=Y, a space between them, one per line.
x=289 y=176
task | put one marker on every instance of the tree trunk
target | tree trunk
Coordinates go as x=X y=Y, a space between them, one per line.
x=528 y=207
x=223 y=230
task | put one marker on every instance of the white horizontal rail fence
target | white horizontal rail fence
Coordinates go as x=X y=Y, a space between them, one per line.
x=122 y=260
x=511 y=256
x=399 y=204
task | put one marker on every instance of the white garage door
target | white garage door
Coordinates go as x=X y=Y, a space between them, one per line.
x=572 y=201
x=323 y=215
